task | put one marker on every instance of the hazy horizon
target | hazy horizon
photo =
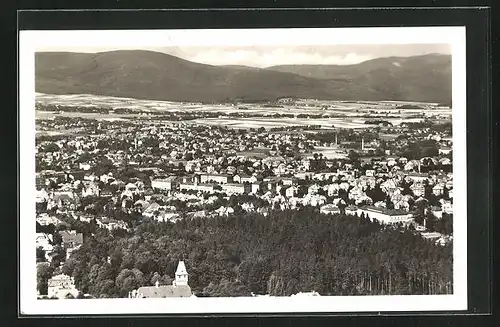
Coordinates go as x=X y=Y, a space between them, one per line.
x=267 y=56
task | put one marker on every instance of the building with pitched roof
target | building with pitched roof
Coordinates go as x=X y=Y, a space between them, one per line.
x=62 y=286
x=386 y=216
x=71 y=239
x=216 y=178
x=179 y=287
x=166 y=184
x=236 y=188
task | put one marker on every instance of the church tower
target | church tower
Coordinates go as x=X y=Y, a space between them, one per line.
x=181 y=275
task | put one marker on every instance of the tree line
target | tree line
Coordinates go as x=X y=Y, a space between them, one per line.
x=280 y=254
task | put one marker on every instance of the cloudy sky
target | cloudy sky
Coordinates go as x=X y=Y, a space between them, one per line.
x=265 y=56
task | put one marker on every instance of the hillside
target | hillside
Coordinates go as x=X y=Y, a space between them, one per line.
x=425 y=77
x=159 y=76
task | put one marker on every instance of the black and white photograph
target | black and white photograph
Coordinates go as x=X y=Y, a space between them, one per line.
x=244 y=170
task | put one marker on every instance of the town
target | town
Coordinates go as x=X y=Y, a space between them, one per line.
x=96 y=174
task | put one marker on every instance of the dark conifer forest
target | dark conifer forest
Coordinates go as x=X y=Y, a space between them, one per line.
x=281 y=254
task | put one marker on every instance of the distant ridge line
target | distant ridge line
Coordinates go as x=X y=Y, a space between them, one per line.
x=145 y=74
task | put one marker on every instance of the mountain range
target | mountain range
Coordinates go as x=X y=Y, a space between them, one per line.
x=159 y=76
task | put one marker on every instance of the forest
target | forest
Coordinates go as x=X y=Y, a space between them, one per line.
x=280 y=254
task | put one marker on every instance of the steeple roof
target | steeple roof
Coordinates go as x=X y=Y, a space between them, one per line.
x=181 y=269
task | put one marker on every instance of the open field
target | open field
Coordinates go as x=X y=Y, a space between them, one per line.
x=338 y=114
x=270 y=122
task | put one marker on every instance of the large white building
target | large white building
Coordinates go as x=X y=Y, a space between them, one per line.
x=197 y=187
x=237 y=188
x=416 y=177
x=164 y=184
x=216 y=178
x=385 y=216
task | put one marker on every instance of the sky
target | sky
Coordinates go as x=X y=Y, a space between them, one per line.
x=258 y=47
x=267 y=55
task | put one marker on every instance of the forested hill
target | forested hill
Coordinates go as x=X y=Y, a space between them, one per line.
x=281 y=254
x=423 y=76
x=159 y=76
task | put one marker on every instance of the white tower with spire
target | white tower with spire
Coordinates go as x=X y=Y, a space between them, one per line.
x=362 y=144
x=181 y=275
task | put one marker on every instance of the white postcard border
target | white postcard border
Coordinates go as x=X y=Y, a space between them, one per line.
x=30 y=40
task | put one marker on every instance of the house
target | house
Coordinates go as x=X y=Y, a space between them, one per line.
x=236 y=188
x=356 y=192
x=244 y=179
x=150 y=210
x=444 y=150
x=106 y=194
x=291 y=191
x=431 y=235
x=164 y=184
x=132 y=188
x=313 y=189
x=447 y=207
x=190 y=179
x=271 y=183
x=304 y=175
x=44 y=241
x=256 y=187
x=71 y=239
x=386 y=216
x=445 y=161
x=437 y=212
x=438 y=189
x=179 y=287
x=416 y=177
x=90 y=189
x=63 y=199
x=288 y=181
x=389 y=186
x=61 y=287
x=306 y=163
x=84 y=166
x=329 y=209
x=418 y=189
x=111 y=224
x=224 y=211
x=45 y=219
x=391 y=162
x=370 y=172
x=164 y=216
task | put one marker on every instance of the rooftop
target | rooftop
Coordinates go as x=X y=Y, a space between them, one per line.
x=68 y=237
x=165 y=291
x=181 y=268
x=390 y=212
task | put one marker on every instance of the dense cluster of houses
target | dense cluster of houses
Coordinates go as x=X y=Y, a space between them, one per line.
x=209 y=160
x=203 y=168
